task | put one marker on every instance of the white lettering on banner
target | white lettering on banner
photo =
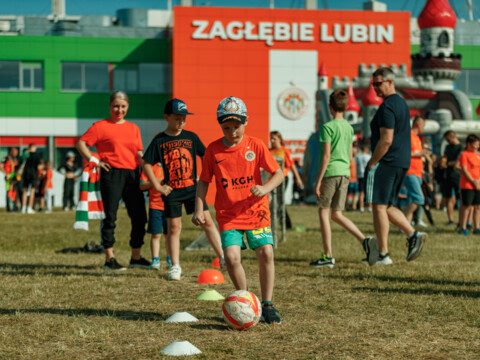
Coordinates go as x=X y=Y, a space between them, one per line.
x=281 y=31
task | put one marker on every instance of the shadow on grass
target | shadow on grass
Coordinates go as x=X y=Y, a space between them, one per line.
x=48 y=269
x=424 y=291
x=121 y=314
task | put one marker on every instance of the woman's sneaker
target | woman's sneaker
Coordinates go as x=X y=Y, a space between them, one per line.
x=141 y=263
x=175 y=272
x=270 y=314
x=155 y=264
x=112 y=264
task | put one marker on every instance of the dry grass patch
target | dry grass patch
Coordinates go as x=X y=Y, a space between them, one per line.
x=63 y=306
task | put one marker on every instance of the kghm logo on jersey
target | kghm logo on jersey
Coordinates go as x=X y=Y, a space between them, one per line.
x=293 y=103
x=250 y=155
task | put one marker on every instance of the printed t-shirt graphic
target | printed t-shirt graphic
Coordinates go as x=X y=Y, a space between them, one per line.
x=237 y=170
x=116 y=144
x=471 y=160
x=177 y=154
x=155 y=198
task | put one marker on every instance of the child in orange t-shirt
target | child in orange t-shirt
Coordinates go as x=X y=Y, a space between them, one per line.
x=279 y=150
x=46 y=189
x=157 y=222
x=241 y=201
x=470 y=185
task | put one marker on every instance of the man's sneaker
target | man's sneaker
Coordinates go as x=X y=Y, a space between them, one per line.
x=270 y=314
x=112 y=264
x=141 y=263
x=324 y=261
x=169 y=262
x=463 y=232
x=384 y=260
x=415 y=245
x=370 y=245
x=175 y=272
x=155 y=264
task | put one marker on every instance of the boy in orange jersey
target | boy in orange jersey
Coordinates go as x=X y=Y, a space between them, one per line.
x=241 y=203
x=470 y=184
x=157 y=222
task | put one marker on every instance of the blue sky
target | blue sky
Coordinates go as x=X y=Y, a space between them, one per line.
x=109 y=7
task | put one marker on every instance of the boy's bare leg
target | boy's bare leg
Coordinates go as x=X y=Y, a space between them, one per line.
x=174 y=230
x=450 y=208
x=410 y=211
x=267 y=270
x=347 y=224
x=323 y=215
x=212 y=233
x=234 y=266
x=476 y=217
x=108 y=253
x=155 y=245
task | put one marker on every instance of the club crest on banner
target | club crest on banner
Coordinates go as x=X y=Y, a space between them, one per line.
x=293 y=103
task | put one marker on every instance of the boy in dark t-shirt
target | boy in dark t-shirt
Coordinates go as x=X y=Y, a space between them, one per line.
x=177 y=149
x=451 y=186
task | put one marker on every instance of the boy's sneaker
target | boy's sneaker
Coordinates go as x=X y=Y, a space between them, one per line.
x=112 y=264
x=175 y=272
x=477 y=232
x=384 y=259
x=450 y=223
x=270 y=314
x=169 y=262
x=463 y=232
x=141 y=263
x=30 y=211
x=469 y=226
x=370 y=245
x=155 y=264
x=324 y=261
x=415 y=244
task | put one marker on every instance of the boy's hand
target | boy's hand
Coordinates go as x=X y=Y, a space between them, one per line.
x=164 y=189
x=258 y=191
x=318 y=191
x=198 y=218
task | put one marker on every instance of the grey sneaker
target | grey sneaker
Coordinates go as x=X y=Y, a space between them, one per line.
x=415 y=244
x=370 y=244
x=175 y=272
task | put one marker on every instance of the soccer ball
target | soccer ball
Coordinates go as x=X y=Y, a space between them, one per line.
x=241 y=310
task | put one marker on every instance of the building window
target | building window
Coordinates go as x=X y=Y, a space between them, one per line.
x=469 y=82
x=443 y=40
x=21 y=76
x=145 y=78
x=125 y=78
x=85 y=77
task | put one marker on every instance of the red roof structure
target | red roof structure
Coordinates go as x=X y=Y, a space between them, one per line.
x=322 y=71
x=371 y=98
x=437 y=13
x=352 y=102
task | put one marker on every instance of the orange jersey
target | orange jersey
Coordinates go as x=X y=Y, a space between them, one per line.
x=285 y=154
x=48 y=179
x=156 y=201
x=237 y=170
x=353 y=172
x=117 y=144
x=416 y=163
x=470 y=160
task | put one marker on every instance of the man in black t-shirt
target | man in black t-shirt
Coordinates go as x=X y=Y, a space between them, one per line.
x=30 y=179
x=451 y=186
x=390 y=145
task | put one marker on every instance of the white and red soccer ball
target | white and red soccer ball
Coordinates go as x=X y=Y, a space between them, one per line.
x=241 y=310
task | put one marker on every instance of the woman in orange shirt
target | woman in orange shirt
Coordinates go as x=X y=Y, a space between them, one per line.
x=278 y=150
x=119 y=146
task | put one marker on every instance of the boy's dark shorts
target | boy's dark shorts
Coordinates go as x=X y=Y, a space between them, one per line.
x=173 y=203
x=157 y=222
x=470 y=197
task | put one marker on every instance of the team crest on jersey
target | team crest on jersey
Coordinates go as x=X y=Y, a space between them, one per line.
x=250 y=155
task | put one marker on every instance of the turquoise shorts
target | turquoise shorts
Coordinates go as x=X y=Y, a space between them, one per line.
x=255 y=238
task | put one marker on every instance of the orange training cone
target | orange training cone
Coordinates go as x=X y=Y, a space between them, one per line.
x=211 y=276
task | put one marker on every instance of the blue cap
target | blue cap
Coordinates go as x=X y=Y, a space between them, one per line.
x=176 y=106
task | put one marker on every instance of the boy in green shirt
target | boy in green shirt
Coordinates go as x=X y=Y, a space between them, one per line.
x=331 y=187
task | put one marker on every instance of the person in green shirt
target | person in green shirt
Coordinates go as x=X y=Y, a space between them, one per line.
x=331 y=186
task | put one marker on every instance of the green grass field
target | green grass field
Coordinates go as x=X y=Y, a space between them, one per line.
x=64 y=306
